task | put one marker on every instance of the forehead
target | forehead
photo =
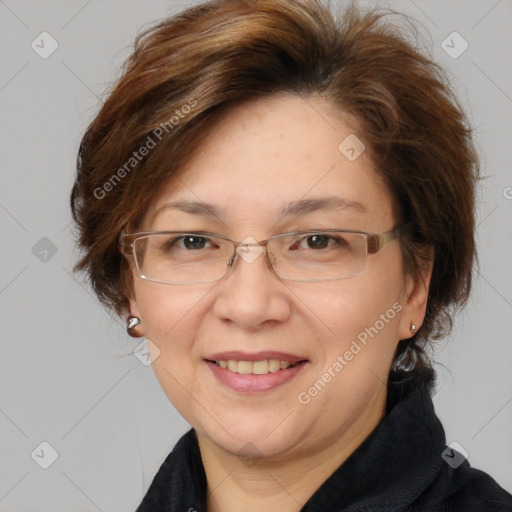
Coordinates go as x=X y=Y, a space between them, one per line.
x=265 y=154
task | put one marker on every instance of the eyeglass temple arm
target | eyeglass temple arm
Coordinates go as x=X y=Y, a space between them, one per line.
x=376 y=242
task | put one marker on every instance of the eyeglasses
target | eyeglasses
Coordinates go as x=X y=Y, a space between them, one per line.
x=183 y=257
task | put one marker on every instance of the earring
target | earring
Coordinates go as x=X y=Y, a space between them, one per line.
x=133 y=322
x=413 y=328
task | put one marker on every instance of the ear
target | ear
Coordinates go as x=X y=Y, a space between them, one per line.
x=415 y=300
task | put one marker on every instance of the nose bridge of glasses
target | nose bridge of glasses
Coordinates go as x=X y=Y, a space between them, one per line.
x=249 y=249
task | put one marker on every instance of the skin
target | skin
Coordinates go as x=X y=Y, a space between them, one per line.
x=263 y=154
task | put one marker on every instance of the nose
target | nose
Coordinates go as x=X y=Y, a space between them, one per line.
x=251 y=295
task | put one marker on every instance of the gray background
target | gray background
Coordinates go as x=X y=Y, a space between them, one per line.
x=64 y=379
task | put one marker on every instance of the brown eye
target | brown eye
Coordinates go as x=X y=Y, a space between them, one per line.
x=194 y=242
x=318 y=241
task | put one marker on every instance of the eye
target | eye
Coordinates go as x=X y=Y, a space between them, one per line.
x=192 y=242
x=317 y=241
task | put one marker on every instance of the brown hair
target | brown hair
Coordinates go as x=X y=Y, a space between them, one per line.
x=185 y=71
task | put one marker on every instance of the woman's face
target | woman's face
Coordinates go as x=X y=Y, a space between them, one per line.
x=263 y=156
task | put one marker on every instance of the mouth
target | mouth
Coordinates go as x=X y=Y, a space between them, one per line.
x=260 y=367
x=255 y=373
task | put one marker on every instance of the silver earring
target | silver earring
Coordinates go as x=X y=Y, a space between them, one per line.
x=133 y=322
x=413 y=328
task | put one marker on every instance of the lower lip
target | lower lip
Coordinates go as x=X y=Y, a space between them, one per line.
x=251 y=383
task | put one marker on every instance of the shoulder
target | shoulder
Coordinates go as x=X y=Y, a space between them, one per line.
x=448 y=487
x=464 y=489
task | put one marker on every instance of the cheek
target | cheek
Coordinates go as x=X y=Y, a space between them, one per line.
x=171 y=320
x=163 y=308
x=360 y=317
x=345 y=308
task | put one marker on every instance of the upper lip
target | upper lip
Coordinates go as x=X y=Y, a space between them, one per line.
x=256 y=356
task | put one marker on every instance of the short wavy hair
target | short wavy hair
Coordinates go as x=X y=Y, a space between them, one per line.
x=186 y=70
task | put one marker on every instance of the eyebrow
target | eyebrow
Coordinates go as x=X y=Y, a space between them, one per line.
x=303 y=206
x=294 y=208
x=192 y=207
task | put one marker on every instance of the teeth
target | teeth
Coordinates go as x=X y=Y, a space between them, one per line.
x=274 y=365
x=256 y=367
x=244 y=367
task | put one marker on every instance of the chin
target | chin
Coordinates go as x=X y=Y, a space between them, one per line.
x=252 y=438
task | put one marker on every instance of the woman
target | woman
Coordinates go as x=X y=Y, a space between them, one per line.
x=282 y=203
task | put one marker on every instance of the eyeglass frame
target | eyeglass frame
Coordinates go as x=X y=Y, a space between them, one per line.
x=374 y=243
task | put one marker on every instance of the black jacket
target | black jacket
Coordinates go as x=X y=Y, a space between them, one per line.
x=402 y=466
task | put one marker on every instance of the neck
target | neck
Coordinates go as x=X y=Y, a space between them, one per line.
x=283 y=483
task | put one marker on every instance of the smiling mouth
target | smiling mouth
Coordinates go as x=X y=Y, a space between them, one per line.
x=262 y=367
